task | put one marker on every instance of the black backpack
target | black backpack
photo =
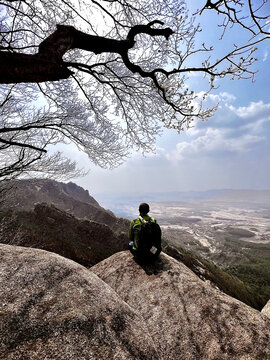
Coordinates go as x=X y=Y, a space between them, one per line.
x=149 y=238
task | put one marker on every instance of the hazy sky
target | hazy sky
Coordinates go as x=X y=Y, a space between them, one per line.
x=230 y=150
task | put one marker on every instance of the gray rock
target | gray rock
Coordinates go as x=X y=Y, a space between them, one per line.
x=266 y=309
x=187 y=318
x=52 y=308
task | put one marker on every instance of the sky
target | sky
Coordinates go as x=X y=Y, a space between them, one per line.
x=229 y=151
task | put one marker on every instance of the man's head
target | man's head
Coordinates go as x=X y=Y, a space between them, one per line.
x=144 y=209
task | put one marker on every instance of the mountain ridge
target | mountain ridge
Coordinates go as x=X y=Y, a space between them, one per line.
x=47 y=227
x=25 y=194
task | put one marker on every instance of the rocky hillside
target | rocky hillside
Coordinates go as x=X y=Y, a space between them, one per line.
x=220 y=278
x=49 y=228
x=54 y=308
x=25 y=194
x=88 y=242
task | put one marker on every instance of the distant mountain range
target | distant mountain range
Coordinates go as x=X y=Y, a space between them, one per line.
x=126 y=204
x=258 y=196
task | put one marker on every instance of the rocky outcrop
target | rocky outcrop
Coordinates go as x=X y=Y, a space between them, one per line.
x=186 y=317
x=25 y=194
x=266 y=309
x=49 y=228
x=53 y=308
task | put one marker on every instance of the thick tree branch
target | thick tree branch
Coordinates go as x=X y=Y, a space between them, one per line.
x=20 y=68
x=147 y=29
x=47 y=64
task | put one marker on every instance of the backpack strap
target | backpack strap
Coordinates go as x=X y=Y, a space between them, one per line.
x=143 y=220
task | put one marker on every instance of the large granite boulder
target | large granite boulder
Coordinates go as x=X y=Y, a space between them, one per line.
x=186 y=317
x=266 y=309
x=52 y=308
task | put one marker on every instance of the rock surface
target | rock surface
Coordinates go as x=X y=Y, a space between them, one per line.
x=186 y=317
x=266 y=309
x=52 y=308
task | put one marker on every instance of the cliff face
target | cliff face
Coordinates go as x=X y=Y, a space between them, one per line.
x=47 y=227
x=25 y=194
x=186 y=317
x=54 y=216
x=53 y=308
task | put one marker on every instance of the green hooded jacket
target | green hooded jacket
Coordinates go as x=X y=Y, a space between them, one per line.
x=135 y=227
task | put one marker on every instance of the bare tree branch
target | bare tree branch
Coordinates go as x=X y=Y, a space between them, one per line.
x=111 y=76
x=246 y=14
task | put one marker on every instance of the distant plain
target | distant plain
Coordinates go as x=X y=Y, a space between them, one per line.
x=225 y=226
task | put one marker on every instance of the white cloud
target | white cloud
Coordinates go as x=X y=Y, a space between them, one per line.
x=214 y=143
x=265 y=56
x=231 y=131
x=216 y=98
x=211 y=100
x=255 y=109
x=243 y=143
x=229 y=150
x=227 y=97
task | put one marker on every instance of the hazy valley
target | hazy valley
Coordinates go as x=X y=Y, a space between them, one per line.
x=205 y=221
x=207 y=227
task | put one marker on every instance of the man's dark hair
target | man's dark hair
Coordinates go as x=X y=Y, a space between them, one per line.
x=144 y=208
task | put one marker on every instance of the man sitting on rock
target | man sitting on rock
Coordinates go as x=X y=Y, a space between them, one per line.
x=145 y=235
